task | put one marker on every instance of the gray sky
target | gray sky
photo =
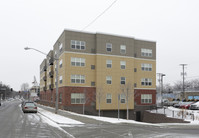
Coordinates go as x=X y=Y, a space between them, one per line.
x=173 y=24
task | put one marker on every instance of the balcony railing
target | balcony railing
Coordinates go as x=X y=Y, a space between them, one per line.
x=51 y=61
x=45 y=68
x=51 y=74
x=44 y=88
x=51 y=86
x=44 y=78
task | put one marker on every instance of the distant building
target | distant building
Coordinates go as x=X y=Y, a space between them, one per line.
x=34 y=91
x=93 y=64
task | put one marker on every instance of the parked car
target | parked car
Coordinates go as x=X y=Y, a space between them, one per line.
x=186 y=105
x=178 y=104
x=166 y=102
x=28 y=106
x=194 y=106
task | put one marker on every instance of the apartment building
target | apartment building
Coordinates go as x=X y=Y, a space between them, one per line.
x=99 y=71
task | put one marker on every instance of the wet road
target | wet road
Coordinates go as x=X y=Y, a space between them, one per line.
x=15 y=124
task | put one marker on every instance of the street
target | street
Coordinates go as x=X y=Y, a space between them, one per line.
x=15 y=124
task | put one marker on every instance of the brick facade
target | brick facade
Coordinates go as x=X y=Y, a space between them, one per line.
x=90 y=94
x=139 y=92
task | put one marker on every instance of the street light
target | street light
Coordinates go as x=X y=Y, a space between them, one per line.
x=57 y=60
x=162 y=75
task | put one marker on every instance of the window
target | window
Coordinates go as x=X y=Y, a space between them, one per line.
x=60 y=63
x=123 y=64
x=77 y=98
x=146 y=82
x=79 y=45
x=108 y=63
x=146 y=98
x=77 y=61
x=60 y=79
x=108 y=79
x=60 y=97
x=60 y=47
x=77 y=79
x=55 y=53
x=108 y=47
x=92 y=66
x=108 y=98
x=146 y=67
x=122 y=98
x=123 y=79
x=122 y=49
x=146 y=52
x=92 y=83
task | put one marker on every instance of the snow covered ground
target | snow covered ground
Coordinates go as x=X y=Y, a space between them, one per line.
x=60 y=119
x=187 y=115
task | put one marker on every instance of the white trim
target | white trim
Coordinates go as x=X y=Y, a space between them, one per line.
x=105 y=55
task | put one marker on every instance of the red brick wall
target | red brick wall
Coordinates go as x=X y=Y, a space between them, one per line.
x=137 y=96
x=66 y=95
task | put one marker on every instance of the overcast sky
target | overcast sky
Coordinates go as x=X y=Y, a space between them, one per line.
x=173 y=24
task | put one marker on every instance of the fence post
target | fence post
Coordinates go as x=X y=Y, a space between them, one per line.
x=193 y=117
x=173 y=113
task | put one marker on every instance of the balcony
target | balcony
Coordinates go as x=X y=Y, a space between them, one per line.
x=44 y=78
x=51 y=74
x=44 y=88
x=51 y=86
x=51 y=61
x=45 y=68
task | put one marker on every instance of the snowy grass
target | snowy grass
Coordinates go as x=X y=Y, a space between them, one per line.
x=188 y=115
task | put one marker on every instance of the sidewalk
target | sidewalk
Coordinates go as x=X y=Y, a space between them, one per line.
x=67 y=114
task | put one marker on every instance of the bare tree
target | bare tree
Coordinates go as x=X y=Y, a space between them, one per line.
x=25 y=87
x=99 y=96
x=86 y=99
x=127 y=91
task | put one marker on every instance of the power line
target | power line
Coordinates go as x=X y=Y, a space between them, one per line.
x=100 y=15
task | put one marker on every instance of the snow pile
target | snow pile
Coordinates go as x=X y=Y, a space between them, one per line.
x=58 y=118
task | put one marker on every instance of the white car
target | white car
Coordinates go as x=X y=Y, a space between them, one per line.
x=194 y=106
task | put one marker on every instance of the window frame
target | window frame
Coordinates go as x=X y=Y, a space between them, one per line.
x=122 y=98
x=146 y=98
x=108 y=98
x=60 y=63
x=146 y=52
x=78 y=62
x=60 y=79
x=78 y=45
x=108 y=47
x=122 y=64
x=123 y=79
x=78 y=79
x=123 y=48
x=77 y=98
x=146 y=67
x=146 y=82
x=108 y=63
x=109 y=80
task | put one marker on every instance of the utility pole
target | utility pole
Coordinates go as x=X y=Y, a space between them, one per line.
x=183 y=74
